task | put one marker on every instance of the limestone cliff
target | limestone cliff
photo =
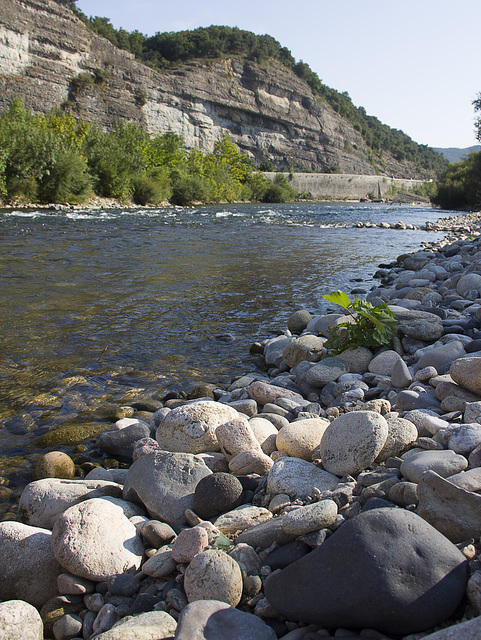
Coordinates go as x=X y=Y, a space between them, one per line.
x=268 y=111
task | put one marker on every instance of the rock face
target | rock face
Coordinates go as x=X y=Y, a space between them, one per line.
x=385 y=569
x=267 y=110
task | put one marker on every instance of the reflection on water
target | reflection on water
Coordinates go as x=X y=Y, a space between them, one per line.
x=95 y=303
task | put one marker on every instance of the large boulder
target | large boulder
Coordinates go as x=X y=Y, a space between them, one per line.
x=467 y=373
x=190 y=428
x=215 y=620
x=95 y=540
x=25 y=553
x=353 y=441
x=152 y=625
x=19 y=620
x=449 y=508
x=420 y=325
x=298 y=478
x=42 y=501
x=385 y=569
x=165 y=483
x=213 y=575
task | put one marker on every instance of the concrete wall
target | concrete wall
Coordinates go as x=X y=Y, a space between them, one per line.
x=343 y=186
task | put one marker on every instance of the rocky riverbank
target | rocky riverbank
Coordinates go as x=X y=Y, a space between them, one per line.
x=322 y=498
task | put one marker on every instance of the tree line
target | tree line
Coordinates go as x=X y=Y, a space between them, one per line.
x=167 y=48
x=55 y=158
x=460 y=186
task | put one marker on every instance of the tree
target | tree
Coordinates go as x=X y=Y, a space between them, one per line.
x=477 y=109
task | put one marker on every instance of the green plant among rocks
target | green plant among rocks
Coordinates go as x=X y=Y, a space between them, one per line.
x=372 y=326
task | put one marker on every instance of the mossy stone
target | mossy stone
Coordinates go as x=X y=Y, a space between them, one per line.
x=71 y=434
x=57 y=607
x=54 y=464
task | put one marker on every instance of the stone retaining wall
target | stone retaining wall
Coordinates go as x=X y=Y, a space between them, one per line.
x=343 y=186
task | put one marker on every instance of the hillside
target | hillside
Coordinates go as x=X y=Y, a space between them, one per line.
x=51 y=59
x=453 y=154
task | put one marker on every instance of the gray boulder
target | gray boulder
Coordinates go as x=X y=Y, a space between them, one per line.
x=298 y=478
x=385 y=569
x=25 y=553
x=452 y=510
x=445 y=462
x=144 y=626
x=215 y=620
x=420 y=325
x=19 y=619
x=353 y=441
x=120 y=442
x=164 y=483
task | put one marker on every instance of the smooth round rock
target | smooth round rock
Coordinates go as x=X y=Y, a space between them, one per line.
x=95 y=540
x=353 y=441
x=67 y=627
x=213 y=575
x=299 y=438
x=385 y=569
x=165 y=483
x=265 y=433
x=26 y=552
x=20 y=621
x=191 y=427
x=142 y=626
x=214 y=620
x=467 y=373
x=416 y=324
x=264 y=393
x=465 y=438
x=216 y=494
x=161 y=564
x=298 y=321
x=157 y=533
x=236 y=436
x=298 y=478
x=384 y=362
x=311 y=517
x=401 y=434
x=400 y=375
x=357 y=359
x=54 y=464
x=189 y=543
x=328 y=370
x=467 y=283
x=243 y=517
x=444 y=463
x=249 y=462
x=306 y=348
x=121 y=442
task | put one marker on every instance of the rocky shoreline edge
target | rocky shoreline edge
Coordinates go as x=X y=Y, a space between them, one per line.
x=323 y=499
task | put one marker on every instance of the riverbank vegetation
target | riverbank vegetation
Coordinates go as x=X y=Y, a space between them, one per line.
x=57 y=158
x=165 y=49
x=460 y=186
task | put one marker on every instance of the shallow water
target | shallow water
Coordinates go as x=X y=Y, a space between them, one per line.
x=95 y=303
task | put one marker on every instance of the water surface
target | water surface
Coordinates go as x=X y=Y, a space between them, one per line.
x=95 y=303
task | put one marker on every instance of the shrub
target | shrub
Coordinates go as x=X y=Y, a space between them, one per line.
x=151 y=188
x=187 y=189
x=372 y=326
x=280 y=190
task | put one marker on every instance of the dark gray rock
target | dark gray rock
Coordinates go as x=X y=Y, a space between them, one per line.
x=215 y=620
x=328 y=370
x=216 y=494
x=121 y=442
x=287 y=554
x=164 y=483
x=385 y=569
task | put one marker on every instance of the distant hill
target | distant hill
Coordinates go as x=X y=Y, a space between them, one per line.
x=452 y=154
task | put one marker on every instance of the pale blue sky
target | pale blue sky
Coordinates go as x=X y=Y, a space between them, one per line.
x=412 y=64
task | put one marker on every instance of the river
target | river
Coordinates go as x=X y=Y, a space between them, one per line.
x=97 y=303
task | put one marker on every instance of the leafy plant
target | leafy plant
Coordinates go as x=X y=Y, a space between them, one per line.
x=372 y=326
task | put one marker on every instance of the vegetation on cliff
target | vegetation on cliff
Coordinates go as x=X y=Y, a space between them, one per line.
x=165 y=49
x=56 y=158
x=460 y=185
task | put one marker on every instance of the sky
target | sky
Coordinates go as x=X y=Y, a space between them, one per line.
x=412 y=63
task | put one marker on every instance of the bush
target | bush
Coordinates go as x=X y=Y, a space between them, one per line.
x=187 y=189
x=460 y=186
x=151 y=188
x=280 y=190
